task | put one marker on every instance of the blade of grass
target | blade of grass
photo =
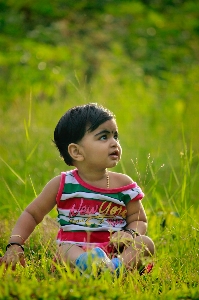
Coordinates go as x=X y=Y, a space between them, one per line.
x=30 y=109
x=11 y=169
x=26 y=130
x=173 y=171
x=12 y=195
x=31 y=153
x=33 y=186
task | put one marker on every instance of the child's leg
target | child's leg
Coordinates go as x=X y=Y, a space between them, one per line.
x=69 y=253
x=76 y=257
x=141 y=247
x=96 y=258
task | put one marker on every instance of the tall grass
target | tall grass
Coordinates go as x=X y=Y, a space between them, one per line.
x=172 y=214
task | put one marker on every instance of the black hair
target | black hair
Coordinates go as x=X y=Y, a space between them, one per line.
x=75 y=122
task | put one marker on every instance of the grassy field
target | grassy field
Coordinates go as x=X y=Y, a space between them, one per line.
x=138 y=58
x=158 y=153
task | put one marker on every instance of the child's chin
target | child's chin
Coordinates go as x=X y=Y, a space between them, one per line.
x=114 y=163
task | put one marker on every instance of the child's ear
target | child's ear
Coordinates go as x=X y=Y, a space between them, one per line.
x=75 y=153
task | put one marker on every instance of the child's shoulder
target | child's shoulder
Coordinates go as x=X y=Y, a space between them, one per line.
x=53 y=184
x=120 y=179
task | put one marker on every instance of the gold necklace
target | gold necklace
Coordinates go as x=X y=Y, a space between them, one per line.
x=107 y=180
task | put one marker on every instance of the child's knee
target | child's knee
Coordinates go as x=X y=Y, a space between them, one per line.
x=147 y=243
x=150 y=245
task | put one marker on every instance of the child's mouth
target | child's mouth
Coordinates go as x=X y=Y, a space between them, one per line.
x=115 y=154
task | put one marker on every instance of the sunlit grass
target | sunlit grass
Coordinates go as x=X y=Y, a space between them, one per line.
x=169 y=202
x=175 y=275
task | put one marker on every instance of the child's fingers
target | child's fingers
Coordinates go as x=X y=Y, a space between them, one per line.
x=22 y=259
x=1 y=261
x=8 y=261
x=12 y=260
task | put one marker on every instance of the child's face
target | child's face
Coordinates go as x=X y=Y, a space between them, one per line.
x=101 y=148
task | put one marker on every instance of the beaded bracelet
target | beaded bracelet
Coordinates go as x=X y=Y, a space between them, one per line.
x=10 y=244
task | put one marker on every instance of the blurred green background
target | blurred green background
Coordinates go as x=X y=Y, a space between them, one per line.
x=138 y=58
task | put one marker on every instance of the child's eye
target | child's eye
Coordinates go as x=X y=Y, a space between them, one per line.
x=103 y=137
x=116 y=137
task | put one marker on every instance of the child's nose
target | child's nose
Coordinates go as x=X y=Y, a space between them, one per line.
x=114 y=142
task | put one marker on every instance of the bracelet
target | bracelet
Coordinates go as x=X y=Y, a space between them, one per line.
x=18 y=235
x=132 y=232
x=10 y=244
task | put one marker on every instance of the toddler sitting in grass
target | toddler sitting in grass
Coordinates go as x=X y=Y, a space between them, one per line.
x=101 y=217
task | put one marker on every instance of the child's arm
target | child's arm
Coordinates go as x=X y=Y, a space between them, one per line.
x=136 y=220
x=136 y=217
x=29 y=219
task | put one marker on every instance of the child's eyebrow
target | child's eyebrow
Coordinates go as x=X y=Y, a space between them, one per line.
x=105 y=131
x=102 y=132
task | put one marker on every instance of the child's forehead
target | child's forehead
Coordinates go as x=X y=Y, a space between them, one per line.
x=110 y=125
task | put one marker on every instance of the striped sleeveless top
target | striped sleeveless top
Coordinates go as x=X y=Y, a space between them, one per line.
x=87 y=214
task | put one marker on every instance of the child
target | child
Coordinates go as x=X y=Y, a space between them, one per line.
x=100 y=213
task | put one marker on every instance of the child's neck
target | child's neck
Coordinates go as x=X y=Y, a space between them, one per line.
x=96 y=178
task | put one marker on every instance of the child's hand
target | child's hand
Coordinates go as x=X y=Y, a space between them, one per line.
x=13 y=255
x=120 y=239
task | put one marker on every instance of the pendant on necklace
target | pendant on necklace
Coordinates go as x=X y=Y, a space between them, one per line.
x=107 y=180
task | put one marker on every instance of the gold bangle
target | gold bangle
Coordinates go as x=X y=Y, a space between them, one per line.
x=18 y=236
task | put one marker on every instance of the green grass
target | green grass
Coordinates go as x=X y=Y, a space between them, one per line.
x=150 y=83
x=28 y=160
x=175 y=275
